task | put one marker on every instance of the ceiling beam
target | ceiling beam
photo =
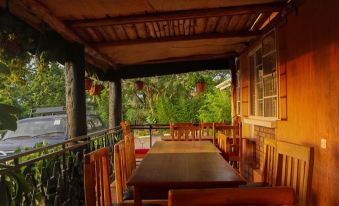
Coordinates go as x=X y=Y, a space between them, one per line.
x=186 y=14
x=47 y=16
x=149 y=70
x=230 y=35
x=200 y=57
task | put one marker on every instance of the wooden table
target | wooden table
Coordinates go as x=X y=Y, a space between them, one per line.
x=183 y=147
x=160 y=172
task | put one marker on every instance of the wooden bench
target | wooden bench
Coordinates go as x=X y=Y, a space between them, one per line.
x=232 y=196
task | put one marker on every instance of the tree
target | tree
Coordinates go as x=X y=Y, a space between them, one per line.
x=8 y=113
x=172 y=98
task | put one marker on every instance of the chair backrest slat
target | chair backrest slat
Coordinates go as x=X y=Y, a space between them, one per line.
x=232 y=196
x=183 y=131
x=96 y=178
x=294 y=165
x=120 y=170
x=270 y=152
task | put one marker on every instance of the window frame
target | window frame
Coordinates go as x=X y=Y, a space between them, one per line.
x=252 y=53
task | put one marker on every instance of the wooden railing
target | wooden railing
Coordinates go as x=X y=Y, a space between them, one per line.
x=53 y=174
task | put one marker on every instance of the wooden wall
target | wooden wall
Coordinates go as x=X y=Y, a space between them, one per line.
x=308 y=51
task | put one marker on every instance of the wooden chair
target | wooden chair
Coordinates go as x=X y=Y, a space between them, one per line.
x=231 y=196
x=293 y=168
x=206 y=132
x=270 y=152
x=120 y=169
x=130 y=154
x=231 y=144
x=96 y=178
x=126 y=127
x=183 y=132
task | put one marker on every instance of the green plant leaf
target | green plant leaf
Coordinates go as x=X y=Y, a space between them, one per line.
x=5 y=194
x=7 y=121
x=4 y=68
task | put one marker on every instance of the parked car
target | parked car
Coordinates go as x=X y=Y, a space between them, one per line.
x=47 y=125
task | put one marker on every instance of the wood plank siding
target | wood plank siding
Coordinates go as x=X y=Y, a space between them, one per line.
x=308 y=69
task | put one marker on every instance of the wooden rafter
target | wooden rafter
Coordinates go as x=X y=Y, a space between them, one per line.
x=42 y=12
x=173 y=15
x=178 y=38
x=201 y=57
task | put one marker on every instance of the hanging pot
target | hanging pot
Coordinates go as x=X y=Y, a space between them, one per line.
x=95 y=90
x=88 y=83
x=139 y=85
x=200 y=87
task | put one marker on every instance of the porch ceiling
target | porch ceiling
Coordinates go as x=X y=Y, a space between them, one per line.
x=118 y=33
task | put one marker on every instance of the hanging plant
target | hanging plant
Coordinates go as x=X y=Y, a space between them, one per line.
x=88 y=83
x=95 y=89
x=200 y=85
x=139 y=85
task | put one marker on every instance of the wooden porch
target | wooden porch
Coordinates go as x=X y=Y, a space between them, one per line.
x=284 y=65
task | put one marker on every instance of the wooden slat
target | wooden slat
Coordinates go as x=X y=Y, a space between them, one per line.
x=171 y=28
x=211 y=24
x=166 y=28
x=232 y=196
x=233 y=23
x=241 y=26
x=130 y=31
x=94 y=35
x=192 y=24
x=39 y=10
x=156 y=29
x=141 y=30
x=187 y=23
x=161 y=29
x=106 y=36
x=120 y=32
x=176 y=27
x=222 y=24
x=150 y=30
x=176 y=15
x=181 y=27
x=111 y=32
x=179 y=38
x=200 y=25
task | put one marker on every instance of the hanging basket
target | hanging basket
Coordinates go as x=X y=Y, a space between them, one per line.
x=200 y=87
x=95 y=90
x=139 y=85
x=88 y=83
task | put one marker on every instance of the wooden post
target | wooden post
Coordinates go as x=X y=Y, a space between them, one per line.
x=234 y=95
x=75 y=90
x=115 y=105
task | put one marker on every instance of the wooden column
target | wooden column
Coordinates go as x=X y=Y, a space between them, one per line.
x=234 y=94
x=75 y=90
x=115 y=105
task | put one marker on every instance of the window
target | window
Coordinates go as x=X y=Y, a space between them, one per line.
x=263 y=79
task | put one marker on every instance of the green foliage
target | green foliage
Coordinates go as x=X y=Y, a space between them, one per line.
x=32 y=82
x=216 y=107
x=7 y=118
x=173 y=98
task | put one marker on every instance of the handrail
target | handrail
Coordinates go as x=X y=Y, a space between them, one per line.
x=55 y=171
x=73 y=140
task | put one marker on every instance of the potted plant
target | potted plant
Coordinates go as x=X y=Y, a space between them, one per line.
x=139 y=85
x=200 y=84
x=95 y=89
x=88 y=83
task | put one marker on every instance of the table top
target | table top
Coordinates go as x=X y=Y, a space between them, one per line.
x=185 y=170
x=204 y=138
x=183 y=147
